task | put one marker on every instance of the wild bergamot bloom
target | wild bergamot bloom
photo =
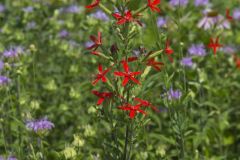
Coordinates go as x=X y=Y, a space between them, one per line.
x=40 y=125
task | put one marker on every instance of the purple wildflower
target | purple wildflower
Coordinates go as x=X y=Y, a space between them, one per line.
x=13 y=52
x=88 y=44
x=72 y=9
x=197 y=49
x=187 y=61
x=174 y=94
x=40 y=125
x=12 y=158
x=1 y=65
x=209 y=22
x=99 y=14
x=4 y=80
x=2 y=8
x=236 y=14
x=161 y=21
x=176 y=3
x=1 y=158
x=228 y=49
x=63 y=33
x=28 y=9
x=31 y=25
x=201 y=2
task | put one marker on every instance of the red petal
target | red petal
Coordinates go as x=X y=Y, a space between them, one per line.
x=125 y=81
x=100 y=68
x=100 y=101
x=119 y=74
x=132 y=114
x=125 y=66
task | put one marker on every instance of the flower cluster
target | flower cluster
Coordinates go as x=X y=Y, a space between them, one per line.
x=39 y=125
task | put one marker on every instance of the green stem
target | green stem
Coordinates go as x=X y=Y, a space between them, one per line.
x=106 y=10
x=126 y=143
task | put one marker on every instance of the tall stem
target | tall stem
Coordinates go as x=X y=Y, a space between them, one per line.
x=126 y=143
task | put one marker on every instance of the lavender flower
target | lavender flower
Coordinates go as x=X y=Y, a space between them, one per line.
x=176 y=3
x=201 y=2
x=4 y=80
x=209 y=22
x=28 y=9
x=40 y=125
x=72 y=9
x=13 y=52
x=236 y=14
x=2 y=8
x=1 y=65
x=197 y=49
x=187 y=61
x=63 y=33
x=99 y=14
x=31 y=25
x=174 y=94
x=88 y=44
x=12 y=158
x=228 y=49
x=161 y=21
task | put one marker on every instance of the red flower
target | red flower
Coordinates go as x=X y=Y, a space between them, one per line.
x=146 y=104
x=102 y=96
x=94 y=4
x=127 y=17
x=154 y=64
x=214 y=45
x=127 y=74
x=133 y=110
x=96 y=40
x=101 y=75
x=130 y=59
x=237 y=61
x=153 y=5
x=168 y=50
x=228 y=15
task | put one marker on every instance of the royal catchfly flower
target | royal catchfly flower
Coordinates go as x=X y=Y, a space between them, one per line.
x=201 y=2
x=101 y=75
x=174 y=94
x=132 y=110
x=128 y=75
x=126 y=18
x=177 y=3
x=39 y=125
x=168 y=50
x=214 y=45
x=152 y=4
x=97 y=41
x=236 y=14
x=156 y=65
x=197 y=49
x=145 y=103
x=102 y=96
x=187 y=61
x=4 y=80
x=228 y=15
x=93 y=4
x=237 y=61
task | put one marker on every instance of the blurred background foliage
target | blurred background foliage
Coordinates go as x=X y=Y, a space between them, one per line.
x=53 y=78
